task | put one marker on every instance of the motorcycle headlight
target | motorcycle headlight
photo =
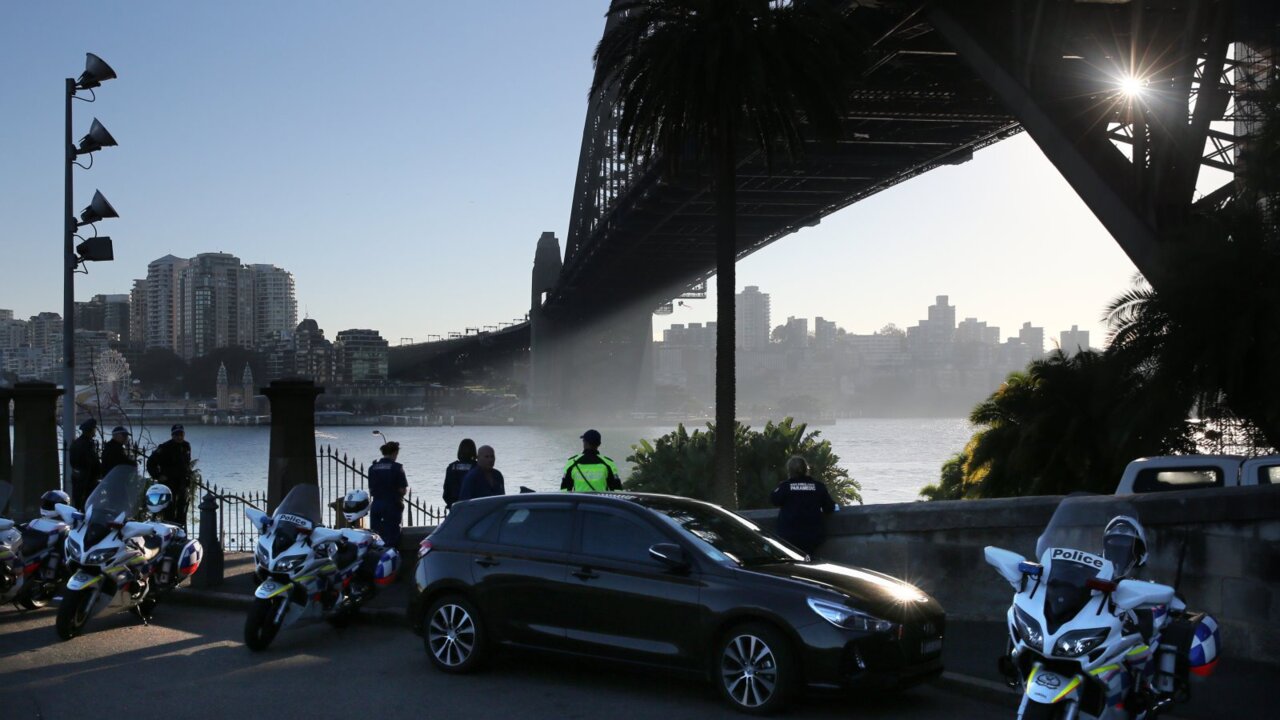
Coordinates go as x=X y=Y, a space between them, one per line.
x=260 y=556
x=846 y=617
x=98 y=557
x=73 y=549
x=1028 y=628
x=290 y=564
x=1079 y=642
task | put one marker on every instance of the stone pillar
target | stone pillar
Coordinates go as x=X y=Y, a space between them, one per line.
x=293 y=437
x=6 y=456
x=35 y=446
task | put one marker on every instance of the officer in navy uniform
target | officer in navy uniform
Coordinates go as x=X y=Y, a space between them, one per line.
x=458 y=470
x=388 y=486
x=802 y=501
x=589 y=471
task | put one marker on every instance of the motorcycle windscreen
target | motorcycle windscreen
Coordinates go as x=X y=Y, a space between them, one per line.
x=1066 y=593
x=116 y=499
x=1079 y=522
x=299 y=512
x=6 y=490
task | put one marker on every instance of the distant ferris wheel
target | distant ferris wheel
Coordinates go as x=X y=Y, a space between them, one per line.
x=111 y=368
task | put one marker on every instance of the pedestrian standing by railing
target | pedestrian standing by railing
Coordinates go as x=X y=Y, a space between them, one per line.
x=116 y=450
x=483 y=480
x=802 y=502
x=458 y=470
x=85 y=467
x=589 y=471
x=387 y=485
x=171 y=464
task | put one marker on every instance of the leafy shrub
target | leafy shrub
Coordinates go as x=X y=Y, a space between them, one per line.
x=683 y=463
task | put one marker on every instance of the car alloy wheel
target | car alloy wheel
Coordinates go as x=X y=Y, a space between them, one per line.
x=754 y=669
x=454 y=637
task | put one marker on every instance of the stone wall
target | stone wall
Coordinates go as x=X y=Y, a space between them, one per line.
x=1226 y=542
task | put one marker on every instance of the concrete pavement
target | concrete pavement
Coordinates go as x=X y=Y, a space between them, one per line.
x=190 y=663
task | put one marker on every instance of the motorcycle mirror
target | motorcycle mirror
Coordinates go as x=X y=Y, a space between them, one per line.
x=1130 y=594
x=1007 y=563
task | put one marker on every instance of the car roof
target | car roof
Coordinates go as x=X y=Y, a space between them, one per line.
x=647 y=500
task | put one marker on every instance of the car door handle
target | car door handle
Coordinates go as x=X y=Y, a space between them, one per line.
x=486 y=561
x=585 y=574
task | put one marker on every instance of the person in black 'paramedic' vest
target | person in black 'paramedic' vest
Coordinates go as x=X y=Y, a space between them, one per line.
x=801 y=501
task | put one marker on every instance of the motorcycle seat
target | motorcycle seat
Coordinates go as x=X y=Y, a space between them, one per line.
x=33 y=541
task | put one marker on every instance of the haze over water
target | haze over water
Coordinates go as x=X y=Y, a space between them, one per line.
x=892 y=458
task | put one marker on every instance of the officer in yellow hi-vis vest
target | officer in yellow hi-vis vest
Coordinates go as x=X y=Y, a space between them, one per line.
x=590 y=471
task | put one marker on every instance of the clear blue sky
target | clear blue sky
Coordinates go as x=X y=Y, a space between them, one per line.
x=401 y=159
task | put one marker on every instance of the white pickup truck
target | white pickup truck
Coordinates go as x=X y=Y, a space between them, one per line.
x=1191 y=472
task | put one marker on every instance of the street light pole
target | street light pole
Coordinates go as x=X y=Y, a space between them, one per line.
x=68 y=305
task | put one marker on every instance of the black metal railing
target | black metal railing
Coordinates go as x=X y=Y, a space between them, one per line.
x=337 y=474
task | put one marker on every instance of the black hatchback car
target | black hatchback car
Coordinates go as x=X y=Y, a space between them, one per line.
x=670 y=582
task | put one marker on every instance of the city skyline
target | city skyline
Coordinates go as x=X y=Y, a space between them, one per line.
x=387 y=184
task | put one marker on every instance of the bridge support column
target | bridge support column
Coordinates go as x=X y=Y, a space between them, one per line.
x=293 y=437
x=546 y=359
x=35 y=452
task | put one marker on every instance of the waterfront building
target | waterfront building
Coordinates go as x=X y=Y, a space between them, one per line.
x=824 y=333
x=752 y=318
x=110 y=313
x=362 y=356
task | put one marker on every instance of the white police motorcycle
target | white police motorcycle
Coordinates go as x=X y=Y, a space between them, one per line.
x=1087 y=642
x=120 y=563
x=32 y=568
x=308 y=572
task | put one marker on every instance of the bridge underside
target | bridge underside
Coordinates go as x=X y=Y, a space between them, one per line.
x=918 y=107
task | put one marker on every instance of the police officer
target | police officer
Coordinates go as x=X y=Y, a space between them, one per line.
x=116 y=450
x=802 y=501
x=171 y=464
x=458 y=470
x=388 y=486
x=86 y=470
x=590 y=471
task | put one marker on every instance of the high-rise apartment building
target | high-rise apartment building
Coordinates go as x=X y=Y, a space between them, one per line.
x=217 y=304
x=163 y=305
x=138 y=315
x=105 y=313
x=1073 y=341
x=275 y=310
x=44 y=332
x=824 y=333
x=971 y=330
x=751 y=315
x=1032 y=338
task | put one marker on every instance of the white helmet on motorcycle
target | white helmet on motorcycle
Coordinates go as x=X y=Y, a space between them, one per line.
x=158 y=498
x=1124 y=543
x=49 y=502
x=355 y=505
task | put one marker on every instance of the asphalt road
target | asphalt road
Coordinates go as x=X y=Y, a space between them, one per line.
x=190 y=663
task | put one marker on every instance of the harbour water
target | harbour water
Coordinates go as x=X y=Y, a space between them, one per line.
x=892 y=458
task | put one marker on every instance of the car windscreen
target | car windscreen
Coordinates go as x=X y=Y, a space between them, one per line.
x=721 y=534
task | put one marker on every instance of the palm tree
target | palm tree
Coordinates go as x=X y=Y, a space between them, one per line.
x=1212 y=332
x=696 y=80
x=1065 y=424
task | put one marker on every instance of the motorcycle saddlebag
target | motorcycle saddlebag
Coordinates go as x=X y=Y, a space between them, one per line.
x=1194 y=636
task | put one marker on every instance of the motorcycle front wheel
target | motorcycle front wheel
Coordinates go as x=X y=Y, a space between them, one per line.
x=32 y=596
x=260 y=627
x=73 y=613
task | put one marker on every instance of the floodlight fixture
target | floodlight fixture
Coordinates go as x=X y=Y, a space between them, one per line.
x=97 y=139
x=96 y=72
x=95 y=249
x=99 y=209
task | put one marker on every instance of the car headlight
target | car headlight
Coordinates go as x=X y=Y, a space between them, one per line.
x=846 y=617
x=98 y=557
x=1079 y=642
x=1028 y=628
x=290 y=564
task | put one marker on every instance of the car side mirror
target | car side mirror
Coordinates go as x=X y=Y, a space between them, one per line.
x=669 y=554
